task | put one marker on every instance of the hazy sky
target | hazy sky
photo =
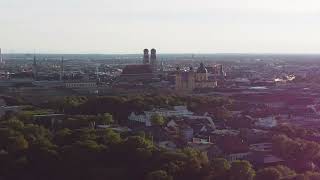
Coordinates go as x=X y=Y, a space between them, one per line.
x=171 y=26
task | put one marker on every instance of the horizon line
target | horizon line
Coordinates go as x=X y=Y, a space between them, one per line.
x=187 y=53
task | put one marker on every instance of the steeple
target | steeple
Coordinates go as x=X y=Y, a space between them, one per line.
x=34 y=68
x=1 y=59
x=61 y=69
x=97 y=74
x=162 y=67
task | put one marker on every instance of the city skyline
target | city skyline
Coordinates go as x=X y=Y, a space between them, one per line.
x=124 y=27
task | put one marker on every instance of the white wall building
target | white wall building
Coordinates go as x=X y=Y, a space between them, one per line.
x=145 y=118
x=268 y=122
x=237 y=156
x=80 y=84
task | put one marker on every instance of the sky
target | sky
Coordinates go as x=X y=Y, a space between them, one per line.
x=170 y=26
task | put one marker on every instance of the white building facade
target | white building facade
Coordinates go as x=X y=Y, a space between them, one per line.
x=145 y=118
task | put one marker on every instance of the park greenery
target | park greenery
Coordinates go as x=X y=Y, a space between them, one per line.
x=121 y=106
x=76 y=150
x=30 y=151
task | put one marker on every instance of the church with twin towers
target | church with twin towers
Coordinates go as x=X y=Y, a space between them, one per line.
x=150 y=59
x=146 y=71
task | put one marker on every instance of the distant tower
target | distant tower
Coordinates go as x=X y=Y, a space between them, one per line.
x=34 y=68
x=61 y=69
x=97 y=74
x=161 y=67
x=202 y=73
x=153 y=59
x=221 y=71
x=1 y=58
x=146 y=56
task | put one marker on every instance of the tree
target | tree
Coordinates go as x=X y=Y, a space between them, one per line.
x=295 y=149
x=136 y=142
x=219 y=168
x=107 y=119
x=17 y=144
x=298 y=177
x=63 y=137
x=109 y=137
x=285 y=171
x=241 y=170
x=313 y=175
x=158 y=175
x=268 y=174
x=157 y=120
x=14 y=124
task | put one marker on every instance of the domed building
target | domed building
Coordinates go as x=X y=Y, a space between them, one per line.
x=190 y=80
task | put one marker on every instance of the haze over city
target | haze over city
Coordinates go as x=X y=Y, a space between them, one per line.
x=179 y=26
x=159 y=90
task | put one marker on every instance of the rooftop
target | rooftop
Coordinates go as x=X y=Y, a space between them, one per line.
x=137 y=69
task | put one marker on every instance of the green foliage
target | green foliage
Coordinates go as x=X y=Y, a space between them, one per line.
x=298 y=177
x=27 y=114
x=136 y=142
x=33 y=152
x=157 y=120
x=241 y=170
x=158 y=175
x=268 y=174
x=17 y=144
x=220 y=168
x=109 y=137
x=14 y=124
x=62 y=137
x=121 y=106
x=106 y=118
x=30 y=151
x=313 y=175
x=285 y=171
x=295 y=149
x=294 y=131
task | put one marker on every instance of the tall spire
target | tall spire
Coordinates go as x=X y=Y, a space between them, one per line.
x=97 y=74
x=34 y=68
x=1 y=58
x=34 y=60
x=61 y=69
x=162 y=67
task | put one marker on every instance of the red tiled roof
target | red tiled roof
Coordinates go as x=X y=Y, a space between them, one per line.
x=137 y=69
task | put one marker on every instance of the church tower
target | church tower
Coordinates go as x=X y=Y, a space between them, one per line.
x=1 y=59
x=35 y=68
x=146 y=59
x=61 y=69
x=202 y=73
x=153 y=59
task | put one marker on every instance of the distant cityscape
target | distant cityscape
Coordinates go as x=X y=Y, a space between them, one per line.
x=235 y=108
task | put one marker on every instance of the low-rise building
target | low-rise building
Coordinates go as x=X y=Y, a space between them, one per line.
x=268 y=122
x=238 y=156
x=145 y=117
x=89 y=84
